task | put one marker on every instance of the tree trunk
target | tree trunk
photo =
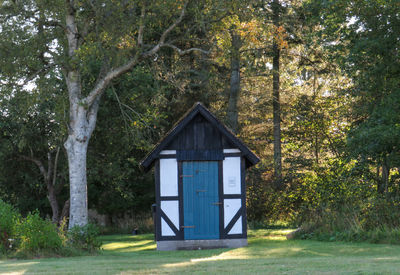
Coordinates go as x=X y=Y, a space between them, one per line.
x=76 y=152
x=276 y=101
x=52 y=197
x=316 y=149
x=82 y=123
x=65 y=210
x=385 y=178
x=384 y=184
x=232 y=114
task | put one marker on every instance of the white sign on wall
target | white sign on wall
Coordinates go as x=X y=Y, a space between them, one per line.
x=231 y=177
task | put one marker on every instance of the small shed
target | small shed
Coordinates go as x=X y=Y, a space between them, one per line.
x=200 y=184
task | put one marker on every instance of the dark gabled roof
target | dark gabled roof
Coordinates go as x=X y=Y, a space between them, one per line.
x=197 y=108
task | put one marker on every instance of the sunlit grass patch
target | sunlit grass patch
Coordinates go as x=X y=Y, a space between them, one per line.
x=127 y=243
x=268 y=252
x=129 y=246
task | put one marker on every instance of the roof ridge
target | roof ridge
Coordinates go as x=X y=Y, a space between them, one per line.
x=182 y=122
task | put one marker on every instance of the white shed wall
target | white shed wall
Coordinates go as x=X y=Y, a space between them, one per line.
x=237 y=228
x=171 y=209
x=165 y=229
x=168 y=177
x=231 y=207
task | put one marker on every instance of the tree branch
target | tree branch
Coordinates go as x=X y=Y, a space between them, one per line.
x=39 y=165
x=258 y=49
x=32 y=75
x=55 y=166
x=71 y=28
x=157 y=47
x=104 y=81
x=92 y=114
x=49 y=167
x=53 y=23
x=183 y=52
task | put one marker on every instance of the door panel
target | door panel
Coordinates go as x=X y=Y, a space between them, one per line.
x=200 y=200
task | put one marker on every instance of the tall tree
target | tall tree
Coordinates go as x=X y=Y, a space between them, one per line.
x=276 y=96
x=103 y=38
x=83 y=109
x=283 y=20
x=232 y=113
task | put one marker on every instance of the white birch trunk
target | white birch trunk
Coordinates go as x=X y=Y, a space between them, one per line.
x=76 y=152
x=81 y=127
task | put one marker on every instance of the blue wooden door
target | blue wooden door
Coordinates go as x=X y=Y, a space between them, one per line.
x=200 y=200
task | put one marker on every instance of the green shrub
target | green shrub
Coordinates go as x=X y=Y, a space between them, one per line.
x=35 y=234
x=380 y=211
x=340 y=203
x=84 y=237
x=9 y=217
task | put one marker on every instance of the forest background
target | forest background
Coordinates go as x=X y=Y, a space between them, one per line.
x=313 y=88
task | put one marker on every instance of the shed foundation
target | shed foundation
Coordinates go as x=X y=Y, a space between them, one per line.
x=200 y=244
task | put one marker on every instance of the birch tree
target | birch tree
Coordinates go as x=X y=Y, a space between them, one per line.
x=92 y=44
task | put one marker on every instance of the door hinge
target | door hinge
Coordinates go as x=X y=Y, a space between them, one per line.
x=217 y=203
x=198 y=191
x=186 y=176
x=187 y=226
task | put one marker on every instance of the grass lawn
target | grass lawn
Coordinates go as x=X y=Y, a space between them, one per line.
x=268 y=253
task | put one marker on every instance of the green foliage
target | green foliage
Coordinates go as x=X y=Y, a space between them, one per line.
x=335 y=184
x=340 y=196
x=380 y=212
x=340 y=205
x=378 y=136
x=267 y=205
x=367 y=52
x=9 y=217
x=84 y=237
x=36 y=234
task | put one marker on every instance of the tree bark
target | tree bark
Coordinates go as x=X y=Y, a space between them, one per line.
x=52 y=197
x=276 y=101
x=383 y=179
x=232 y=114
x=384 y=182
x=76 y=152
x=65 y=210
x=81 y=126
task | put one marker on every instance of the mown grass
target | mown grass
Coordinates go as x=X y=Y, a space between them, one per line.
x=268 y=253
